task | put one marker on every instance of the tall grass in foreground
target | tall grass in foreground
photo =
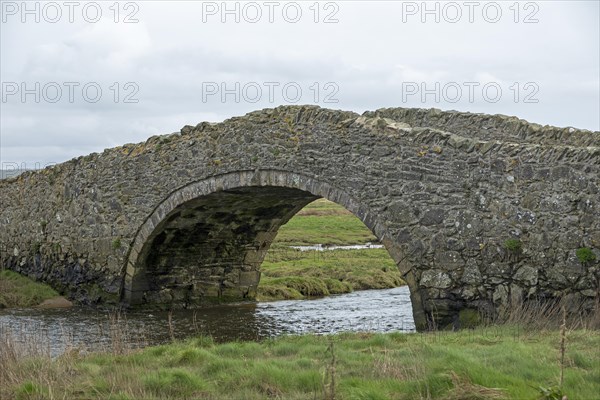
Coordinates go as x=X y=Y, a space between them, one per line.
x=27 y=358
x=549 y=314
x=510 y=360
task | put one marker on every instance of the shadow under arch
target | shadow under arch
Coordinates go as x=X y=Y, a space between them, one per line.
x=207 y=239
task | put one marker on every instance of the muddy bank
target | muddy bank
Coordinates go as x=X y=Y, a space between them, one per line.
x=55 y=302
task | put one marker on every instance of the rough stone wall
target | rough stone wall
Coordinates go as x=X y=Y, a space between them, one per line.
x=444 y=191
x=209 y=244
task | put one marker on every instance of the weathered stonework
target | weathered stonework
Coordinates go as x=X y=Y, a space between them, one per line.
x=188 y=217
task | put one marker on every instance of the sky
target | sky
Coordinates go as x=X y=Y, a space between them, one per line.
x=78 y=77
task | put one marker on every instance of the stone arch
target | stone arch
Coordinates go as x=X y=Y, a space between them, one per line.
x=300 y=189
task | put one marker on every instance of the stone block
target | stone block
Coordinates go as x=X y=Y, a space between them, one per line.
x=249 y=278
x=435 y=278
x=433 y=217
x=527 y=275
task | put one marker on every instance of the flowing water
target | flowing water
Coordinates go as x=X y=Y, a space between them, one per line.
x=92 y=330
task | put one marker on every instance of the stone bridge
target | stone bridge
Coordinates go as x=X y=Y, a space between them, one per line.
x=477 y=211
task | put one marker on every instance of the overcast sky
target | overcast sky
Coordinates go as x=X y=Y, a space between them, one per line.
x=87 y=76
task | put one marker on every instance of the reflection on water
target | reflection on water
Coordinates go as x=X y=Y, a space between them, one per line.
x=368 y=310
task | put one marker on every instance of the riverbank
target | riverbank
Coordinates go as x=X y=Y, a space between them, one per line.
x=290 y=274
x=505 y=362
x=19 y=291
x=293 y=274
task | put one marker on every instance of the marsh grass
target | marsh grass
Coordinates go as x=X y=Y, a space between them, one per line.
x=539 y=314
x=484 y=363
x=295 y=274
x=19 y=291
x=33 y=370
x=24 y=360
x=323 y=222
x=289 y=273
x=121 y=338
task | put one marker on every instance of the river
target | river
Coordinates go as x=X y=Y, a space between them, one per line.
x=92 y=330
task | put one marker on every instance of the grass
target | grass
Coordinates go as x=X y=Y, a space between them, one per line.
x=292 y=274
x=323 y=222
x=485 y=363
x=19 y=291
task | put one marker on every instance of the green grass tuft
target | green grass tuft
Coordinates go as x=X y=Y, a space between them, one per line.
x=585 y=255
x=19 y=291
x=175 y=382
x=514 y=245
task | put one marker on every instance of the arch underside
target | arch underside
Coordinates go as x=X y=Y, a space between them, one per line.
x=207 y=240
x=210 y=248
